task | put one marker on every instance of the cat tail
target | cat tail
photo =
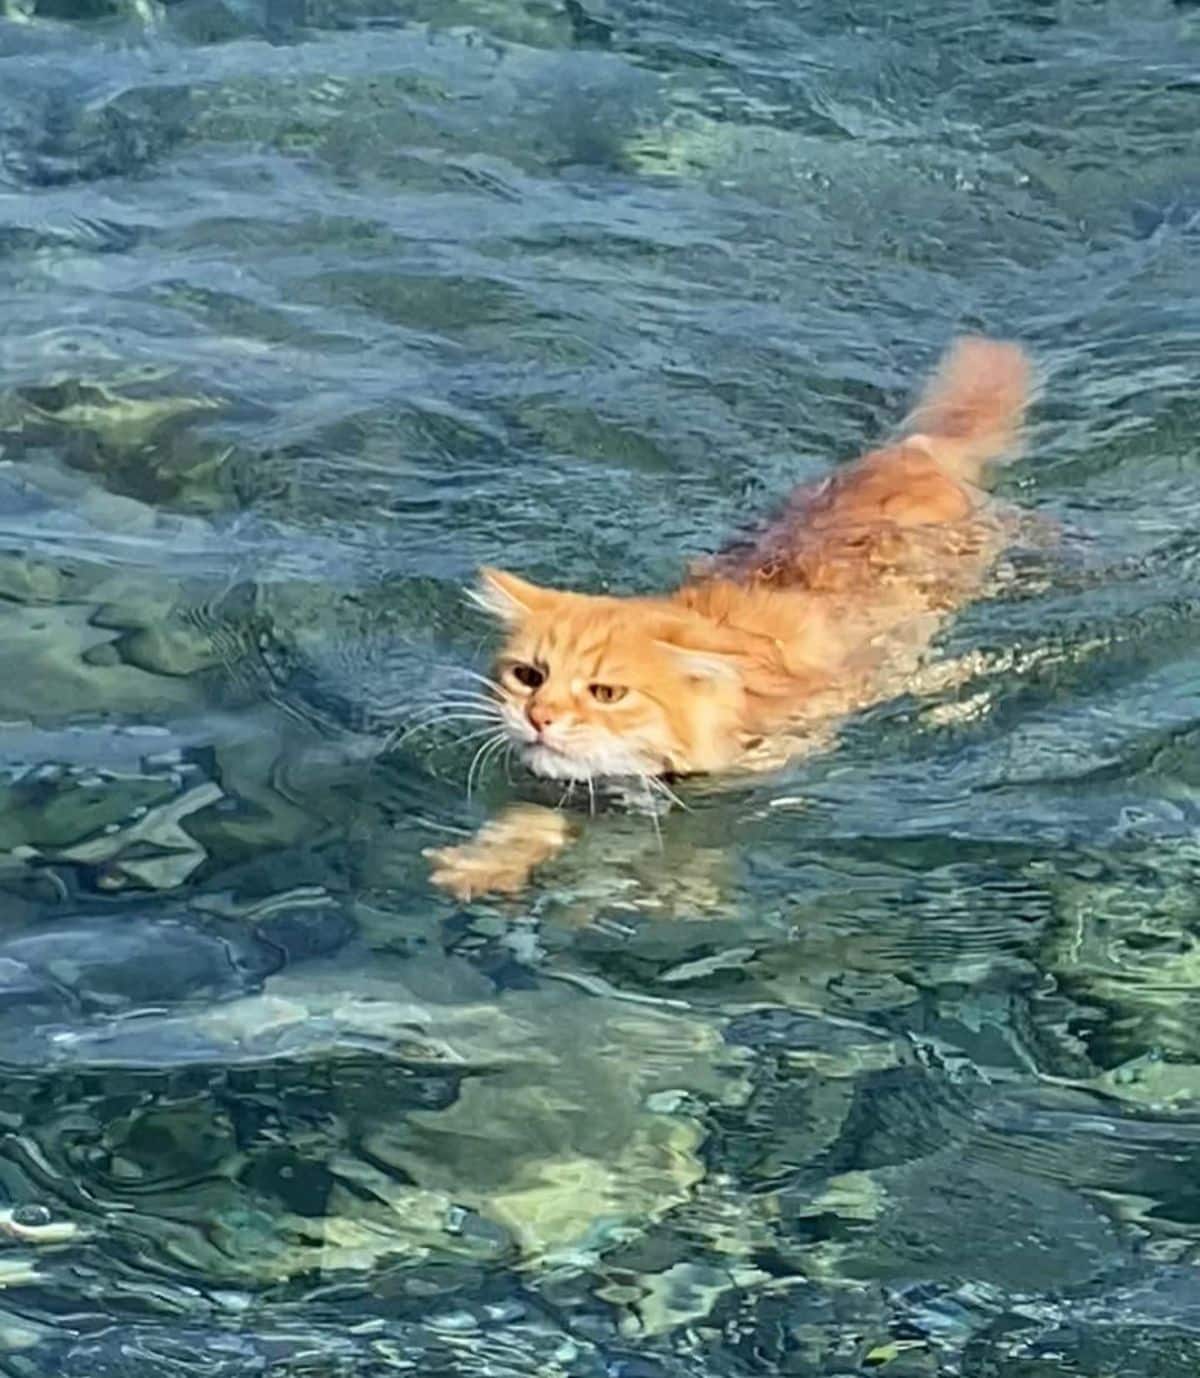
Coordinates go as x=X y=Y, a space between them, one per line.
x=972 y=408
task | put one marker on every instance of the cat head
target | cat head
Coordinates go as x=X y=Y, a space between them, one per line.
x=590 y=687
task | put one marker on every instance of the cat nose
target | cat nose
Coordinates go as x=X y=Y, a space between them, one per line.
x=539 y=715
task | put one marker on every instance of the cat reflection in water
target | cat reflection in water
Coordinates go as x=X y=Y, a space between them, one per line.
x=764 y=649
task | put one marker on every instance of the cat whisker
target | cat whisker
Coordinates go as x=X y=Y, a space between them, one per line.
x=480 y=760
x=434 y=712
x=480 y=679
x=477 y=761
x=498 y=753
x=474 y=736
x=436 y=826
x=658 y=783
x=445 y=711
x=397 y=739
x=450 y=701
x=401 y=735
x=653 y=812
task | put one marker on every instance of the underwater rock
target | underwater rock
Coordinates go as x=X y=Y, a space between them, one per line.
x=1145 y=1322
x=1124 y=951
x=110 y=807
x=34 y=1224
x=567 y=1126
x=51 y=806
x=1153 y=1082
x=154 y=850
x=68 y=131
x=906 y=1223
x=119 y=962
x=577 y=1151
x=472 y=1341
x=51 y=644
x=115 y=963
x=1171 y=209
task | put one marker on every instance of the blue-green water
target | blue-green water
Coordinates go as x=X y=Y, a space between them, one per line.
x=890 y=1064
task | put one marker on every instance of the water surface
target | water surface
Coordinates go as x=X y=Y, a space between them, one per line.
x=889 y=1064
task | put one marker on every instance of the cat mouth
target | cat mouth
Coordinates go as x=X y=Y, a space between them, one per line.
x=553 y=763
x=546 y=760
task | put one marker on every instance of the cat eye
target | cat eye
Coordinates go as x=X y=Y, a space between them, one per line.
x=607 y=693
x=528 y=675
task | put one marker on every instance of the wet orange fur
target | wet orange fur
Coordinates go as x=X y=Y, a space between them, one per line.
x=813 y=619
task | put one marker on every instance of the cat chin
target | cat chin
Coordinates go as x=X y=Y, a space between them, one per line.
x=551 y=764
x=556 y=765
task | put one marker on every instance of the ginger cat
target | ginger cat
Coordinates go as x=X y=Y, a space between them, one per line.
x=766 y=647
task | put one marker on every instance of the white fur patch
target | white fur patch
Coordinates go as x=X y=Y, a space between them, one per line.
x=495 y=601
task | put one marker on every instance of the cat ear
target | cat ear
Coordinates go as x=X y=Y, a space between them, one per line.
x=704 y=665
x=505 y=596
x=707 y=651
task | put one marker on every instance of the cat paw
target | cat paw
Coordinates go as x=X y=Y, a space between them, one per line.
x=468 y=871
x=503 y=855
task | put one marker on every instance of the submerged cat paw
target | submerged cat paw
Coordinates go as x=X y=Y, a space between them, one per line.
x=502 y=856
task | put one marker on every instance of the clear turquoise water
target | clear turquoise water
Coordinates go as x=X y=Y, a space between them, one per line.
x=886 y=1065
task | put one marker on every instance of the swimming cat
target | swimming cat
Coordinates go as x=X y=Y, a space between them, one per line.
x=766 y=647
